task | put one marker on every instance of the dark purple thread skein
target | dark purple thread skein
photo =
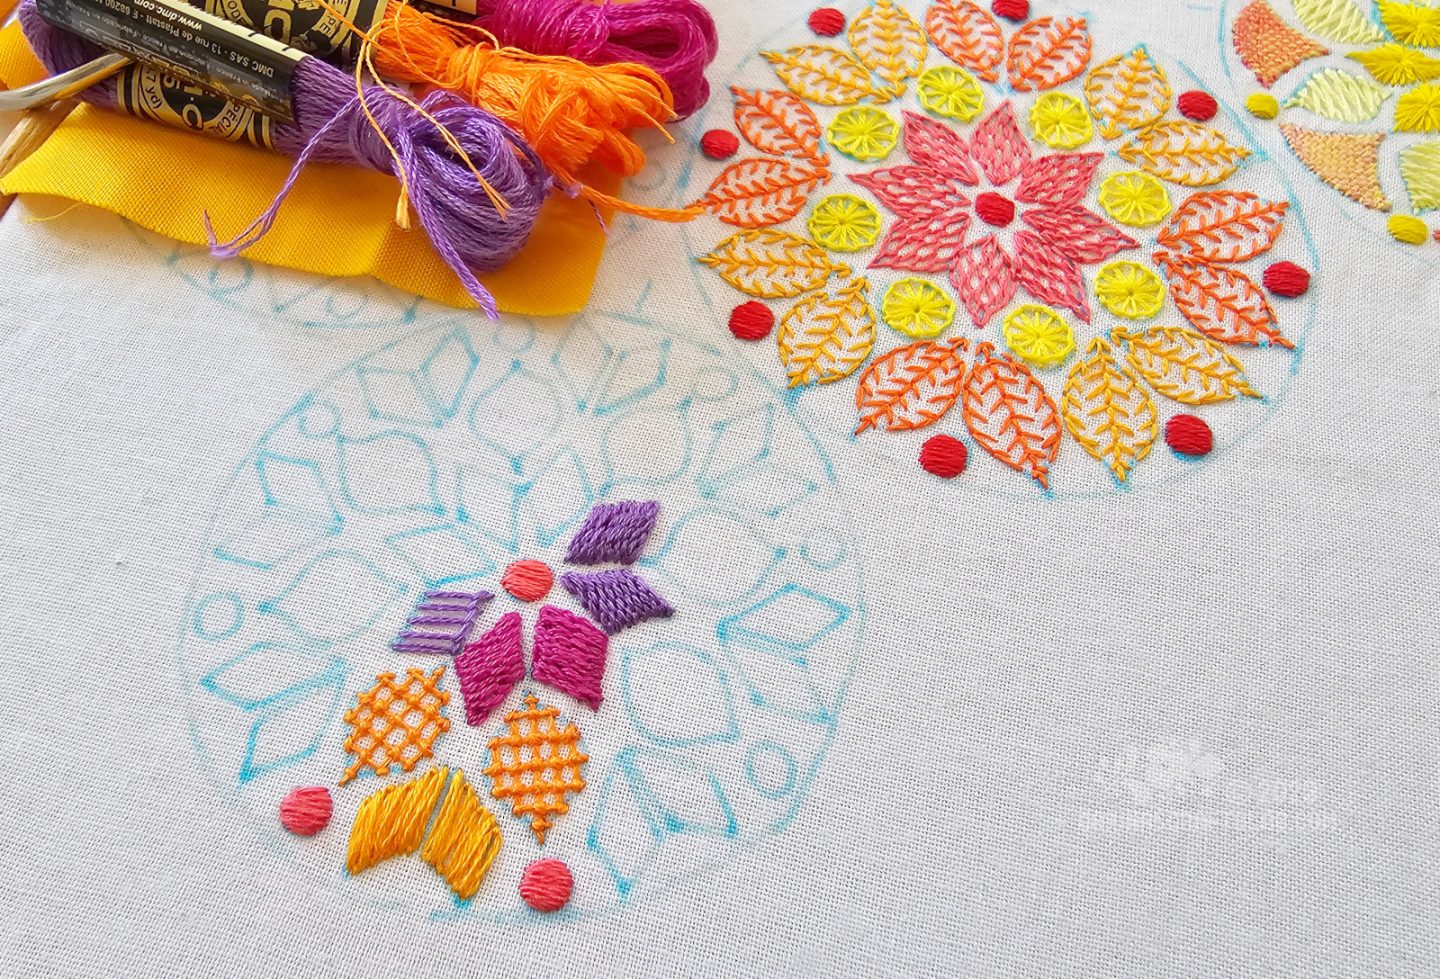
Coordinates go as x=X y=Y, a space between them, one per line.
x=674 y=37
x=461 y=220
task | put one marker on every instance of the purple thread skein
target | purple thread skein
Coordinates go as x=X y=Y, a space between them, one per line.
x=330 y=126
x=675 y=37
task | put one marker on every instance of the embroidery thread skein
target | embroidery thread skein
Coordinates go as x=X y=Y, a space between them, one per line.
x=675 y=37
x=475 y=185
x=571 y=113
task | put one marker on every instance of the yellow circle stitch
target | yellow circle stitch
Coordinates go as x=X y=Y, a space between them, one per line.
x=917 y=309
x=864 y=133
x=1408 y=228
x=845 y=223
x=1134 y=198
x=950 y=92
x=1061 y=121
x=1262 y=105
x=1130 y=290
x=1038 y=335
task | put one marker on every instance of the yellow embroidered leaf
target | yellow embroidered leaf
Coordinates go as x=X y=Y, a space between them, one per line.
x=1048 y=51
x=1349 y=162
x=1127 y=92
x=911 y=387
x=889 y=42
x=1107 y=411
x=967 y=35
x=752 y=193
x=778 y=123
x=1338 y=20
x=1420 y=166
x=771 y=264
x=1339 y=95
x=1395 y=64
x=1183 y=152
x=822 y=74
x=827 y=336
x=1186 y=366
x=1411 y=23
x=1418 y=110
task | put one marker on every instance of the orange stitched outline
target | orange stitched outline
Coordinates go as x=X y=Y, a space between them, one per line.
x=373 y=719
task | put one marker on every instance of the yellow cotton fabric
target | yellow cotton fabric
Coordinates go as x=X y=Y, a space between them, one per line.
x=338 y=221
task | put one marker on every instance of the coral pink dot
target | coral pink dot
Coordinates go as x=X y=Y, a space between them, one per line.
x=1011 y=9
x=718 y=144
x=751 y=321
x=546 y=885
x=528 y=580
x=1197 y=105
x=943 y=456
x=1287 y=279
x=826 y=21
x=306 y=811
x=1189 y=436
x=994 y=209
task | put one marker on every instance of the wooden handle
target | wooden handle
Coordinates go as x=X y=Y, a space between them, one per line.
x=33 y=129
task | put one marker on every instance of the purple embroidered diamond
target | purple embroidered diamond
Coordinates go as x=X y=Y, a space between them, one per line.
x=616 y=599
x=614 y=532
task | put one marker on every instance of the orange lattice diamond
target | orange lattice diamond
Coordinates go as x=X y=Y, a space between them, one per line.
x=396 y=722
x=537 y=764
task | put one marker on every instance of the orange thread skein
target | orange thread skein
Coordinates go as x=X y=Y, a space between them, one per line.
x=571 y=113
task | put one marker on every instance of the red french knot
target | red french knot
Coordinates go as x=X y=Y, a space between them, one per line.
x=826 y=21
x=943 y=456
x=1287 y=279
x=528 y=580
x=306 y=811
x=719 y=144
x=1197 y=105
x=546 y=885
x=994 y=209
x=1189 y=436
x=751 y=321
x=1016 y=10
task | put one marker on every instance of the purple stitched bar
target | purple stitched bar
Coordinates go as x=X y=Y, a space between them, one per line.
x=443 y=633
x=614 y=532
x=616 y=599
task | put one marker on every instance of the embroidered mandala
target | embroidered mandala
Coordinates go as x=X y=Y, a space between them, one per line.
x=1069 y=202
x=1355 y=91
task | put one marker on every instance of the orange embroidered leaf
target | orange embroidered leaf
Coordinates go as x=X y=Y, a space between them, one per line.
x=1267 y=45
x=967 y=35
x=1186 y=366
x=1047 y=52
x=1224 y=226
x=911 y=387
x=1183 y=152
x=1107 y=411
x=889 y=42
x=771 y=264
x=1127 y=92
x=1010 y=415
x=778 y=123
x=1221 y=302
x=753 y=193
x=828 y=335
x=821 y=74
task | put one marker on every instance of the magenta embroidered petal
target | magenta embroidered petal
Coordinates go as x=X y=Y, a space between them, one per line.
x=999 y=146
x=983 y=278
x=570 y=655
x=937 y=146
x=1078 y=233
x=906 y=190
x=923 y=243
x=490 y=667
x=1049 y=275
x=1058 y=180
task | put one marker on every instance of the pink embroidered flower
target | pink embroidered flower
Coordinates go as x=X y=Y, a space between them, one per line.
x=930 y=198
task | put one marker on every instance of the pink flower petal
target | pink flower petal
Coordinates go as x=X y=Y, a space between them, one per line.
x=937 y=146
x=922 y=243
x=908 y=190
x=999 y=146
x=1078 y=233
x=1049 y=275
x=1058 y=180
x=983 y=278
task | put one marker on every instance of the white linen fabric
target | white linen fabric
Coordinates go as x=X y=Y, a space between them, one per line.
x=897 y=725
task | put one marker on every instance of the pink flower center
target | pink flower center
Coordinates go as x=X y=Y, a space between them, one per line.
x=994 y=209
x=528 y=580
